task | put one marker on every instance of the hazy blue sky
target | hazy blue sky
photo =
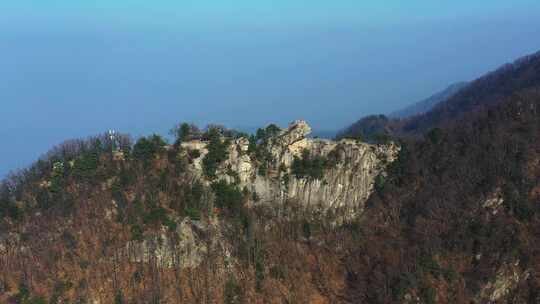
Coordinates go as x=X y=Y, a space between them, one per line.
x=75 y=68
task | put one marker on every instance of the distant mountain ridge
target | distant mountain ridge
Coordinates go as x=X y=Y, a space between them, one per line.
x=456 y=102
x=429 y=103
x=484 y=92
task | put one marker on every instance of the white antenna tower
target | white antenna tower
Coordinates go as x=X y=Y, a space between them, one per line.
x=112 y=137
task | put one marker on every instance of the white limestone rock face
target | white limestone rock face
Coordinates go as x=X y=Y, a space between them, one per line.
x=345 y=186
x=183 y=250
x=494 y=201
x=239 y=163
x=201 y=147
x=506 y=280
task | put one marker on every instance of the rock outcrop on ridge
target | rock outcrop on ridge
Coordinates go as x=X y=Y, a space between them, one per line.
x=346 y=183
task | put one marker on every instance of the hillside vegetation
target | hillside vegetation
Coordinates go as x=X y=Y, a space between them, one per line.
x=458 y=217
x=111 y=221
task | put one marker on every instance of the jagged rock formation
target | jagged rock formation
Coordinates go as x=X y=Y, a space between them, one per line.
x=185 y=250
x=504 y=283
x=343 y=188
x=345 y=185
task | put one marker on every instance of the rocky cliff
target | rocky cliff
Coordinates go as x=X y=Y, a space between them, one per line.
x=347 y=180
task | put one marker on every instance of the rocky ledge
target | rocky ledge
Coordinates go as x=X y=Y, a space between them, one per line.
x=349 y=169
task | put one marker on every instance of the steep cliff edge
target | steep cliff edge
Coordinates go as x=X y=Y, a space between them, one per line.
x=348 y=169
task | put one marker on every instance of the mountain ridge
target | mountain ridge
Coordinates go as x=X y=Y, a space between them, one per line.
x=481 y=93
x=477 y=95
x=429 y=103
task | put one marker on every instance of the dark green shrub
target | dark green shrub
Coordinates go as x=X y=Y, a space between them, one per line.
x=402 y=284
x=232 y=293
x=227 y=196
x=259 y=273
x=217 y=152
x=119 y=297
x=193 y=213
x=170 y=224
x=430 y=265
x=193 y=200
x=308 y=166
x=262 y=170
x=450 y=275
x=8 y=206
x=435 y=135
x=185 y=132
x=255 y=197
x=397 y=169
x=380 y=181
x=24 y=294
x=260 y=134
x=272 y=130
x=306 y=229
x=517 y=203
x=156 y=215
x=265 y=134
x=428 y=294
x=137 y=233
x=370 y=129
x=194 y=154
x=127 y=177
x=85 y=166
x=252 y=147
x=146 y=148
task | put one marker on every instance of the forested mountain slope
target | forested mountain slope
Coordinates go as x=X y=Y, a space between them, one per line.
x=458 y=218
x=479 y=94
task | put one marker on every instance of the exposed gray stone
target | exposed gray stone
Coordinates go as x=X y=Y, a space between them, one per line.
x=506 y=280
x=182 y=249
x=344 y=187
